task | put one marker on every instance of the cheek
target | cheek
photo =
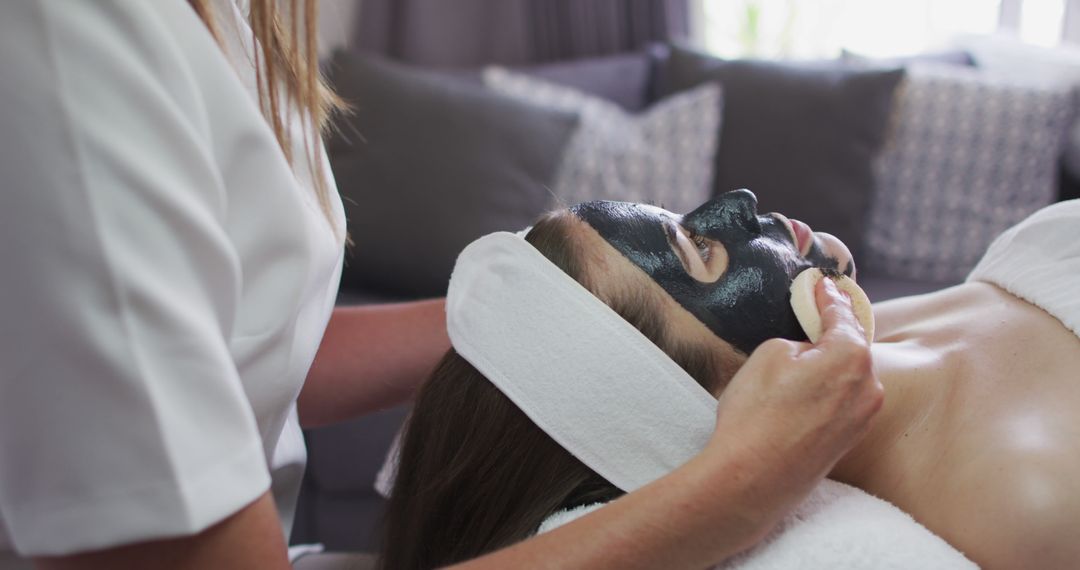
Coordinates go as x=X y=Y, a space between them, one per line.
x=777 y=257
x=712 y=269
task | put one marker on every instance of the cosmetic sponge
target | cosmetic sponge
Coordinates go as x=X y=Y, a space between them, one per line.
x=805 y=306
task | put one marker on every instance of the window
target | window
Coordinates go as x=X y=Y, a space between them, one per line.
x=822 y=28
x=1041 y=20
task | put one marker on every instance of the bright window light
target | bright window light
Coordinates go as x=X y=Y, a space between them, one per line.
x=822 y=28
x=1041 y=21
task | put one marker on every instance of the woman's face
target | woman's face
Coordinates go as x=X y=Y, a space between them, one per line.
x=725 y=264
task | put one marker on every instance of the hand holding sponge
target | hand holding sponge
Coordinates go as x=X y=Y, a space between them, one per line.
x=805 y=306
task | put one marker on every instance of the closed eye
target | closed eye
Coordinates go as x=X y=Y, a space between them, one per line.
x=703 y=259
x=704 y=250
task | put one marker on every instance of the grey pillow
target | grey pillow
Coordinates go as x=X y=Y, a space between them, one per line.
x=971 y=155
x=662 y=155
x=802 y=136
x=426 y=164
x=622 y=79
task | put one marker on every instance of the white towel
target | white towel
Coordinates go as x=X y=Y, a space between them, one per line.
x=836 y=527
x=581 y=373
x=1038 y=260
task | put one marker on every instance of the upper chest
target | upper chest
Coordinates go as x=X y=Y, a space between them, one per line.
x=992 y=372
x=989 y=462
x=988 y=344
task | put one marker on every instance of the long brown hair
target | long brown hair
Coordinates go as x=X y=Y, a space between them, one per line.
x=475 y=474
x=288 y=56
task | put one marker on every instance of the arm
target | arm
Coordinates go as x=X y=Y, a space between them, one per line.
x=372 y=357
x=784 y=420
x=251 y=538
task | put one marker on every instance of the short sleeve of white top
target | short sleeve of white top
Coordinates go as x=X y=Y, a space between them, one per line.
x=166 y=277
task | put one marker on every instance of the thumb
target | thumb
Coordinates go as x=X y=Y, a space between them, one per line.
x=838 y=321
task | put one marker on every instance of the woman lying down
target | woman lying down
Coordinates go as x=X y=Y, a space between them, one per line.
x=978 y=440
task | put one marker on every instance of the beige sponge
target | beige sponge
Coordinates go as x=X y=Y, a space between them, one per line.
x=805 y=305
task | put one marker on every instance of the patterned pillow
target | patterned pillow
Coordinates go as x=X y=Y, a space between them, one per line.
x=969 y=156
x=662 y=156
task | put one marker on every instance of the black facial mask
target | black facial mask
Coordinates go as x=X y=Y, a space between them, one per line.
x=750 y=303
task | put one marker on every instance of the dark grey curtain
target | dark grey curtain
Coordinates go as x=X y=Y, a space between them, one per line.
x=474 y=32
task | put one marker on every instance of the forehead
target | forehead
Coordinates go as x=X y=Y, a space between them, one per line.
x=654 y=211
x=602 y=258
x=627 y=226
x=610 y=210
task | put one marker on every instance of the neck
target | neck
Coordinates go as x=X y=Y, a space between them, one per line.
x=909 y=374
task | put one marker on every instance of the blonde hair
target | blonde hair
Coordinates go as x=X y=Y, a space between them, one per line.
x=287 y=56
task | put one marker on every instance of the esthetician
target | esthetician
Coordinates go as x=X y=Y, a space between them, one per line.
x=170 y=247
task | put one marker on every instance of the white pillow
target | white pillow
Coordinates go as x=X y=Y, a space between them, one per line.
x=969 y=156
x=662 y=156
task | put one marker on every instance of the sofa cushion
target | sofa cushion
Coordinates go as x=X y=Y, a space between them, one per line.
x=426 y=165
x=1011 y=58
x=345 y=457
x=623 y=79
x=802 y=136
x=660 y=156
x=970 y=155
x=944 y=57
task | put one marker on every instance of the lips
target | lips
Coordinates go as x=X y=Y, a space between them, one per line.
x=800 y=232
x=804 y=236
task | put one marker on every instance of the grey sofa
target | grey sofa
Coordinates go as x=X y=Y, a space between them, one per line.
x=338 y=505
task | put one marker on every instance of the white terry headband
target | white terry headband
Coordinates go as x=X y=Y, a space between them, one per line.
x=584 y=375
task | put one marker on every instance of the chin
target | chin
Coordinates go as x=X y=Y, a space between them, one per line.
x=832 y=247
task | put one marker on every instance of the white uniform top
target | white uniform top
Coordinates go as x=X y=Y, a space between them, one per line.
x=165 y=278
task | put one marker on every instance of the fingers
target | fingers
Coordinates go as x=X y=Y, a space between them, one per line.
x=838 y=321
x=843 y=349
x=828 y=296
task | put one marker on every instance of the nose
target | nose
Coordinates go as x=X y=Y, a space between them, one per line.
x=743 y=200
x=737 y=208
